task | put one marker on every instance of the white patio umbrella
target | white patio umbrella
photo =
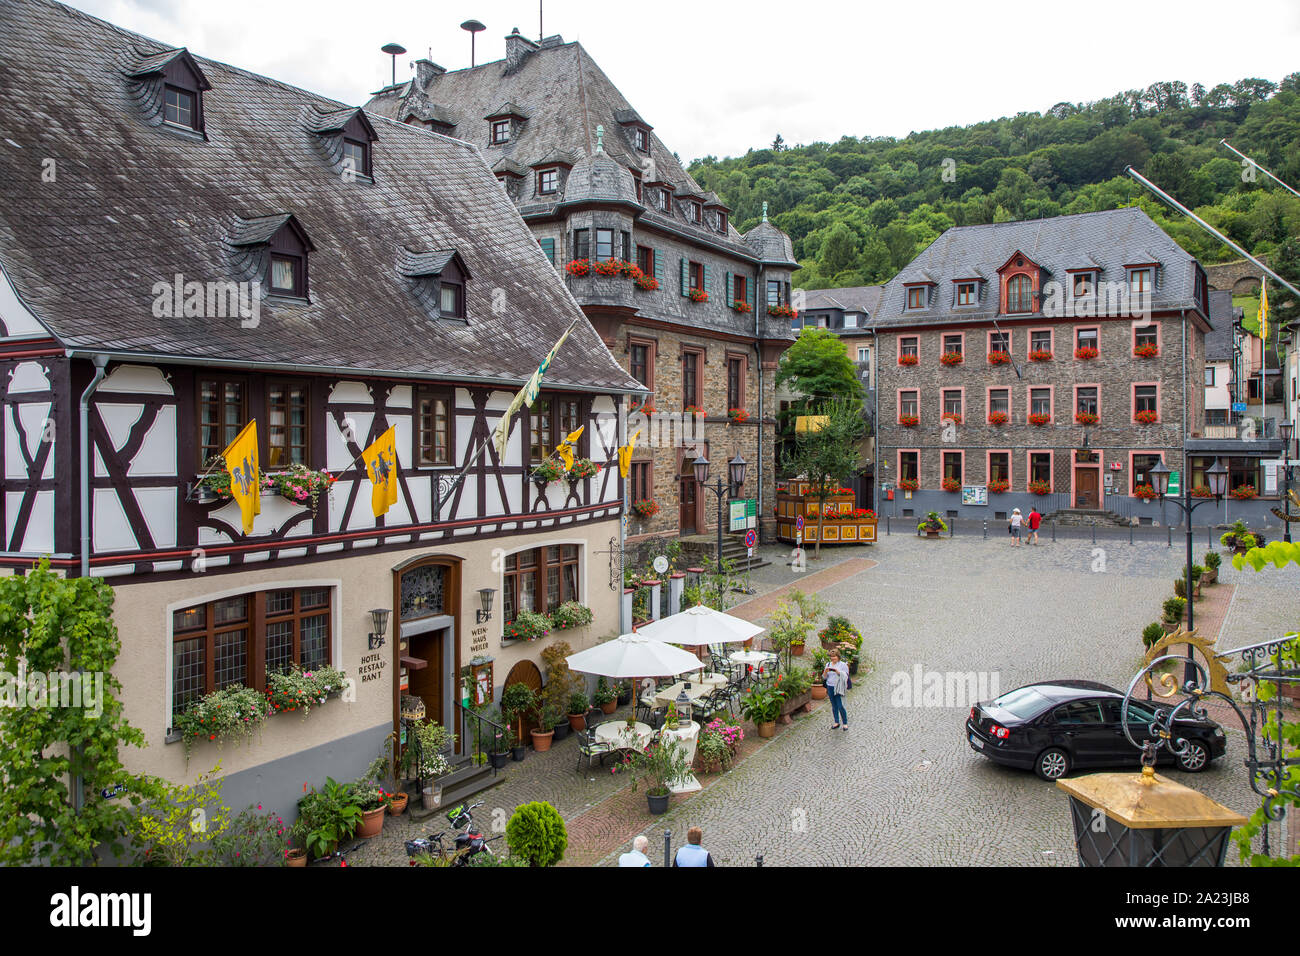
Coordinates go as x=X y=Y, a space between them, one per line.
x=700 y=625
x=634 y=655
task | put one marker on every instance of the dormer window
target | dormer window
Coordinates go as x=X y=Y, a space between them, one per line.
x=1020 y=294
x=967 y=294
x=180 y=107
x=272 y=250
x=1084 y=284
x=663 y=200
x=642 y=139
x=722 y=223
x=1140 y=280
x=451 y=300
x=695 y=210
x=500 y=132
x=286 y=276
x=548 y=181
x=345 y=140
x=356 y=156
x=437 y=280
x=916 y=297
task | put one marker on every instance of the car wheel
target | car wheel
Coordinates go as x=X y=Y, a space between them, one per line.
x=1195 y=759
x=1052 y=764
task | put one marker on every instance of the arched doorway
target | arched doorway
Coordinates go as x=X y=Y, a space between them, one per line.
x=526 y=673
x=426 y=637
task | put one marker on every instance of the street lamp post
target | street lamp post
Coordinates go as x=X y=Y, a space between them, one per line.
x=1217 y=475
x=1287 y=430
x=736 y=478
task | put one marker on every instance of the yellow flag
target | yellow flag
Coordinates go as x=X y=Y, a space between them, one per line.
x=245 y=474
x=526 y=395
x=625 y=455
x=1263 y=308
x=381 y=466
x=569 y=446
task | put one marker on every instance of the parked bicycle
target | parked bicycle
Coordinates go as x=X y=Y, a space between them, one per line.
x=466 y=844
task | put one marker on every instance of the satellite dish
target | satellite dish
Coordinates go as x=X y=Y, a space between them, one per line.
x=394 y=50
x=473 y=26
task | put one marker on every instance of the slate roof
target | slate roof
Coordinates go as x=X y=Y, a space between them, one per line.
x=134 y=205
x=1218 y=341
x=566 y=96
x=1111 y=239
x=859 y=298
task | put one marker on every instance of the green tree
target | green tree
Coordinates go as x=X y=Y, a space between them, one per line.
x=63 y=626
x=828 y=456
x=536 y=833
x=817 y=366
x=839 y=249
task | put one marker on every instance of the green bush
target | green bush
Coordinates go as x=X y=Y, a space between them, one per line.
x=1152 y=633
x=536 y=833
x=1175 y=608
x=1213 y=559
x=578 y=703
x=795 y=681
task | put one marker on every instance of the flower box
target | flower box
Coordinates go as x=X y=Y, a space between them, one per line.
x=1040 y=487
x=951 y=485
x=583 y=468
x=1086 y=418
x=1146 y=351
x=1039 y=420
x=1145 y=492
x=909 y=421
x=579 y=267
x=782 y=311
x=1146 y=417
x=1243 y=492
x=1040 y=355
x=300 y=485
x=999 y=487
x=694 y=410
x=998 y=418
x=951 y=358
x=1200 y=491
x=737 y=416
x=646 y=283
x=999 y=358
x=698 y=295
x=741 y=306
x=793 y=704
x=645 y=508
x=908 y=360
x=909 y=484
x=607 y=267
x=1085 y=353
x=954 y=417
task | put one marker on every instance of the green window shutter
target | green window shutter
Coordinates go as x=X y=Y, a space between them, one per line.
x=752 y=285
x=548 y=247
x=708 y=278
x=659 y=266
x=729 y=300
x=686 y=287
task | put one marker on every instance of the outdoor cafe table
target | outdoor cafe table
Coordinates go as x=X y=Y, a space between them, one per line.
x=751 y=659
x=697 y=690
x=615 y=733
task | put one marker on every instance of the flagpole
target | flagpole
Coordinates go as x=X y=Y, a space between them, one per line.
x=1224 y=142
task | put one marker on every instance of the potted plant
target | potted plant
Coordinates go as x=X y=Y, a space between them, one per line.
x=300 y=485
x=1146 y=350
x=1240 y=538
x=372 y=799
x=931 y=525
x=1040 y=355
x=1212 y=561
x=659 y=766
x=328 y=816
x=1086 y=418
x=999 y=358
x=547 y=470
x=1146 y=417
x=624 y=693
x=579 y=267
x=763 y=707
x=605 y=698
x=569 y=615
x=796 y=646
x=582 y=468
x=645 y=508
x=1039 y=419
x=1145 y=492
x=737 y=416
x=909 y=484
x=499 y=750
x=671 y=719
x=999 y=486
x=516 y=700
x=1085 y=353
x=535 y=832
x=797 y=686
x=698 y=295
x=543 y=735
x=1174 y=609
x=397 y=802
x=1243 y=492
x=578 y=704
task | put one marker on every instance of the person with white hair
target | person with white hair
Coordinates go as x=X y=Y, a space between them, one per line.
x=1014 y=528
x=637 y=857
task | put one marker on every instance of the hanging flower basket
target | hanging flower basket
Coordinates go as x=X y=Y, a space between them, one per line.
x=582 y=468
x=999 y=487
x=218 y=481
x=738 y=416
x=300 y=485
x=998 y=418
x=1085 y=353
x=698 y=295
x=743 y=307
x=951 y=358
x=1086 y=418
x=1040 y=355
x=1039 y=420
x=909 y=421
x=782 y=311
x=909 y=484
x=999 y=358
x=1146 y=417
x=548 y=470
x=1146 y=351
x=1145 y=492
x=1040 y=487
x=645 y=508
x=950 y=484
x=579 y=267
x=908 y=360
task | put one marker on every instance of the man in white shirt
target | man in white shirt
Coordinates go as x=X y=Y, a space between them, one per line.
x=637 y=857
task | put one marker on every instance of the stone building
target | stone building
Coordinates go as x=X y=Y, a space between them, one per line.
x=1048 y=362
x=599 y=188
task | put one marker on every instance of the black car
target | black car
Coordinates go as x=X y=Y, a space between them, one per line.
x=1058 y=726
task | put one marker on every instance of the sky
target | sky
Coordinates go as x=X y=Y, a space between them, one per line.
x=718 y=78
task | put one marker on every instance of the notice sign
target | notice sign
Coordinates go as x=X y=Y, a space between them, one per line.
x=372 y=667
x=974 y=495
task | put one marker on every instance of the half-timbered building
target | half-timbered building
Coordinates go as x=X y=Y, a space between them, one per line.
x=702 y=319
x=186 y=246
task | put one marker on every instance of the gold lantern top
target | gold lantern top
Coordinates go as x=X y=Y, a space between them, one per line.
x=1148 y=801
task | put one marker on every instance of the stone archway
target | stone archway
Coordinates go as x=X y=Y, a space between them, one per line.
x=526 y=673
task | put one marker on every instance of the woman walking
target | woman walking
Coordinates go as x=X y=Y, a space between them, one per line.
x=1014 y=528
x=836 y=678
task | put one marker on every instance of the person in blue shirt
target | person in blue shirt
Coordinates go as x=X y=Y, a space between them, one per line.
x=692 y=854
x=637 y=857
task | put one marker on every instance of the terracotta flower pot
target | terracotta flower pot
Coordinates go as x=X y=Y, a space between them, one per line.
x=542 y=740
x=609 y=707
x=397 y=804
x=578 y=721
x=819 y=692
x=296 y=857
x=767 y=728
x=796 y=650
x=372 y=823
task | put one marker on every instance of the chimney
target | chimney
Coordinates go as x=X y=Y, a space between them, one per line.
x=517 y=48
x=425 y=71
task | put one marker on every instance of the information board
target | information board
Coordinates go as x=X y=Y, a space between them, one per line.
x=974 y=495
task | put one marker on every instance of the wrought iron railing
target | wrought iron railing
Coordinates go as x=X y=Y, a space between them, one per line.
x=477 y=731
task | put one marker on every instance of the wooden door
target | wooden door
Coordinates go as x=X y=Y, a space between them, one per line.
x=686 y=521
x=526 y=673
x=1086 y=492
x=426 y=683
